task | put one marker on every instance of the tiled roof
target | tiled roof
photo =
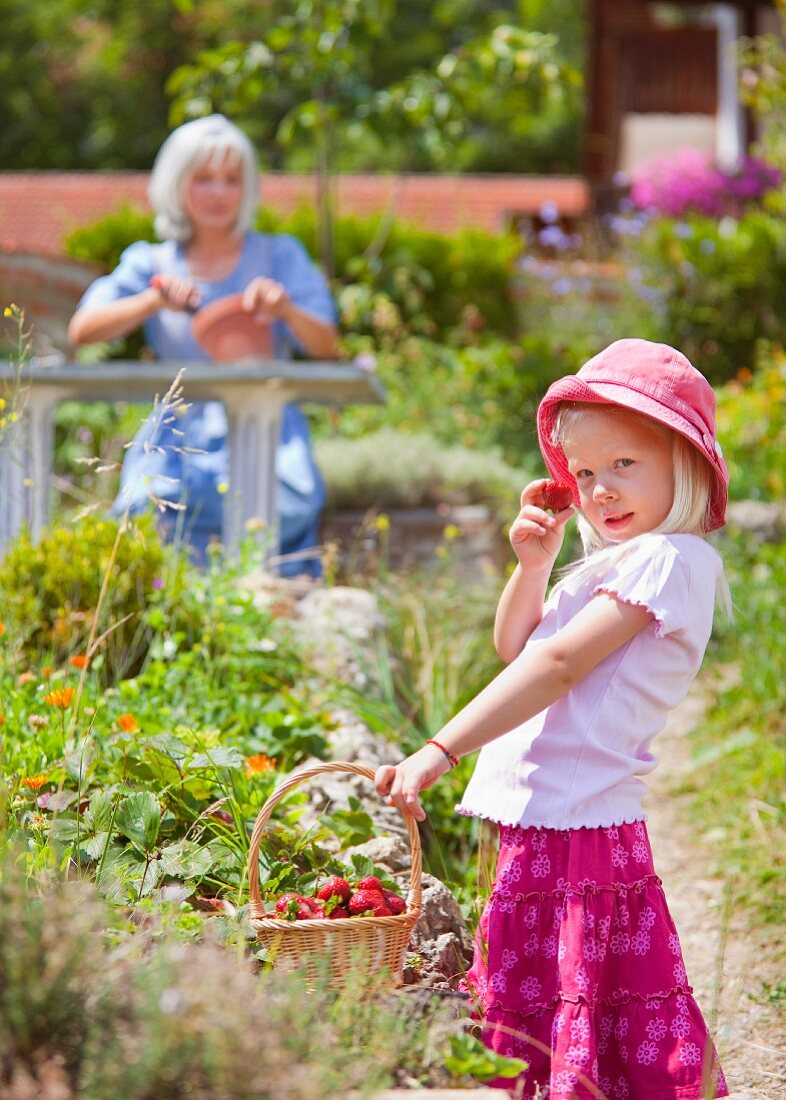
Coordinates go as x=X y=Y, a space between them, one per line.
x=38 y=209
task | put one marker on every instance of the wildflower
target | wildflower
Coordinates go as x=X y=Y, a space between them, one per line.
x=127 y=723
x=2 y=628
x=258 y=764
x=744 y=375
x=34 y=782
x=382 y=522
x=37 y=721
x=79 y=661
x=46 y=672
x=158 y=583
x=451 y=532
x=222 y=487
x=2 y=719
x=61 y=697
x=25 y=678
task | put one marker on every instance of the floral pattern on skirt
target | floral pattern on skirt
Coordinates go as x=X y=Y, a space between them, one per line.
x=578 y=970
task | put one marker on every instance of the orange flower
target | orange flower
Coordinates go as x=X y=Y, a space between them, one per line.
x=2 y=628
x=258 y=764
x=60 y=698
x=2 y=719
x=127 y=723
x=46 y=672
x=34 y=782
x=79 y=661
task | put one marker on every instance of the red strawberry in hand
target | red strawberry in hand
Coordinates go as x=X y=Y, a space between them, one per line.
x=557 y=496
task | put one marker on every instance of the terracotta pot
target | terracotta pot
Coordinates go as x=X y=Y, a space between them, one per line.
x=227 y=333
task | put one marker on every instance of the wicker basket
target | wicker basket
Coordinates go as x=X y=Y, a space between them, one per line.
x=334 y=948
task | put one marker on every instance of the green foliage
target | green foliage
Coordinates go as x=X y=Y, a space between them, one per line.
x=51 y=589
x=101 y=1015
x=470 y=1057
x=393 y=469
x=751 y=418
x=719 y=286
x=739 y=774
x=482 y=396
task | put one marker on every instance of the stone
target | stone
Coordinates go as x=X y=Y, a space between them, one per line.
x=764 y=519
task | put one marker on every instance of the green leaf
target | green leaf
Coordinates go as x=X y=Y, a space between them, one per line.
x=470 y=1057
x=185 y=859
x=98 y=815
x=219 y=757
x=138 y=818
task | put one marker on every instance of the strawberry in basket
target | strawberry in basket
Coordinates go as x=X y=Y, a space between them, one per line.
x=368 y=903
x=297 y=907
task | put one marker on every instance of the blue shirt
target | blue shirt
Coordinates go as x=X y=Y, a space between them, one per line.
x=193 y=478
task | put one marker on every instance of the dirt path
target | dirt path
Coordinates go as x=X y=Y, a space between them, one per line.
x=728 y=963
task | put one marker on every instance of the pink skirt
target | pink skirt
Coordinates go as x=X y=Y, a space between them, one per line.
x=578 y=970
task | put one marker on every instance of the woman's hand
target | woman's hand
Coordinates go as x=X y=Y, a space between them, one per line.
x=177 y=293
x=402 y=783
x=266 y=298
x=536 y=535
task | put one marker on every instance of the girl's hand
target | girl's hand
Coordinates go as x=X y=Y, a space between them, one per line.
x=266 y=298
x=177 y=293
x=536 y=535
x=403 y=782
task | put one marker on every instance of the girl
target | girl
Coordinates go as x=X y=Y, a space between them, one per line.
x=204 y=189
x=578 y=967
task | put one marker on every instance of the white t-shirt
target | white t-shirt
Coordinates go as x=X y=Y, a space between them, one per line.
x=578 y=762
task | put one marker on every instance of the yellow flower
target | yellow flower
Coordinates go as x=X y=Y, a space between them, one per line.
x=127 y=723
x=34 y=782
x=258 y=764
x=223 y=487
x=382 y=522
x=451 y=531
x=61 y=697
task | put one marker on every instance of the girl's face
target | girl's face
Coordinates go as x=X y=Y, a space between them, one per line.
x=214 y=193
x=624 y=469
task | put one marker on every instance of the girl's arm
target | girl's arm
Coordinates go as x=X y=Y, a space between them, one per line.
x=533 y=681
x=536 y=537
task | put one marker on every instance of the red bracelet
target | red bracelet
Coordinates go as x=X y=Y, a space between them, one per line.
x=454 y=760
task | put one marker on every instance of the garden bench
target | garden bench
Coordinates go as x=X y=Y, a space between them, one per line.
x=254 y=395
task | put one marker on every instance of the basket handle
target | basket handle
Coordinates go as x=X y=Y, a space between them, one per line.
x=263 y=817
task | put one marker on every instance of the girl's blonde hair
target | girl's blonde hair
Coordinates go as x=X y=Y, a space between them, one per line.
x=187 y=148
x=693 y=481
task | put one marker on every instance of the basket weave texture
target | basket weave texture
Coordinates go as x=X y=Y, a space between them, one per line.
x=334 y=948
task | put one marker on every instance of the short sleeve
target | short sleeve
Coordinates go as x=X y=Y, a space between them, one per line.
x=132 y=275
x=305 y=283
x=655 y=574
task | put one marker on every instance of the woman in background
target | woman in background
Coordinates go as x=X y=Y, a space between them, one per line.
x=203 y=190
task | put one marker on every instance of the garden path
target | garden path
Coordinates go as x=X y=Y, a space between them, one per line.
x=728 y=962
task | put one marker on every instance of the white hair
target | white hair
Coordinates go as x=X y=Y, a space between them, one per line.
x=186 y=149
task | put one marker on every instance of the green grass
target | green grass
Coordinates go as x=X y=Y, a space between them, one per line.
x=738 y=781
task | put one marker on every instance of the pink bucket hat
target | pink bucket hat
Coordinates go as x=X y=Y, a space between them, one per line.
x=647 y=378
